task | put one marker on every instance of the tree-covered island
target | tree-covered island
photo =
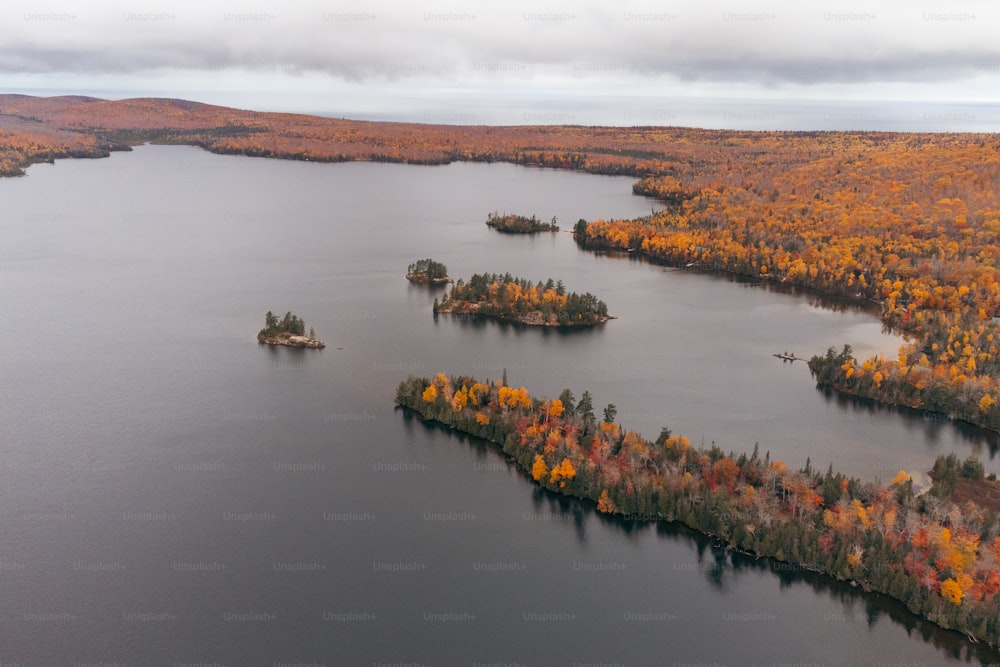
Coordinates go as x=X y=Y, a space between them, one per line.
x=289 y=330
x=519 y=224
x=936 y=552
x=427 y=271
x=508 y=298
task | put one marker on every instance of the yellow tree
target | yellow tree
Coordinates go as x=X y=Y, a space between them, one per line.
x=539 y=470
x=514 y=398
x=562 y=472
x=478 y=392
x=952 y=591
x=460 y=400
x=522 y=399
x=605 y=504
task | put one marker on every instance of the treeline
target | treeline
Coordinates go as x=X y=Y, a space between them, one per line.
x=910 y=223
x=519 y=224
x=701 y=161
x=23 y=143
x=938 y=559
x=666 y=188
x=517 y=299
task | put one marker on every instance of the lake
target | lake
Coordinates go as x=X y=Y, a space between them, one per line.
x=174 y=493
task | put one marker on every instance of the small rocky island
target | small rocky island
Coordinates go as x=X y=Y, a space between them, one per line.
x=518 y=224
x=289 y=330
x=511 y=299
x=428 y=272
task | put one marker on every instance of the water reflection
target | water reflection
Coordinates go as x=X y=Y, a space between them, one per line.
x=934 y=425
x=574 y=510
x=473 y=322
x=720 y=567
x=817 y=299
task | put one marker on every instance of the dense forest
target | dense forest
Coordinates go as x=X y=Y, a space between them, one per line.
x=427 y=271
x=519 y=224
x=505 y=297
x=911 y=224
x=907 y=221
x=936 y=557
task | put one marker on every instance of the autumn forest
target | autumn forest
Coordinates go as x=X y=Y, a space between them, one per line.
x=906 y=223
x=939 y=559
x=513 y=299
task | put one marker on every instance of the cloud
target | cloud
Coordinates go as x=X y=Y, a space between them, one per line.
x=772 y=44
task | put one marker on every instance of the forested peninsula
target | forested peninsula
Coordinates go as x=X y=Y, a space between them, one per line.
x=936 y=558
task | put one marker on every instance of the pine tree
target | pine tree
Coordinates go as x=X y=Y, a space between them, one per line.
x=568 y=400
x=610 y=413
x=585 y=408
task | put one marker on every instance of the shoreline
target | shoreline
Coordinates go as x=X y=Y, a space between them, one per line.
x=707 y=510
x=954 y=418
x=292 y=340
x=866 y=305
x=534 y=318
x=871 y=306
x=422 y=279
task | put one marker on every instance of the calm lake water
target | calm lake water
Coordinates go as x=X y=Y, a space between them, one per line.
x=173 y=493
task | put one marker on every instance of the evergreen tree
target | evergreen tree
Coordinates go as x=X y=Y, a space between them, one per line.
x=610 y=413
x=585 y=408
x=568 y=400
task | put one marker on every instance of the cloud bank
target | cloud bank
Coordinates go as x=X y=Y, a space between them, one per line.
x=768 y=45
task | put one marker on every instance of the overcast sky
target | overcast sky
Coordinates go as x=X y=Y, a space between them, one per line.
x=623 y=62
